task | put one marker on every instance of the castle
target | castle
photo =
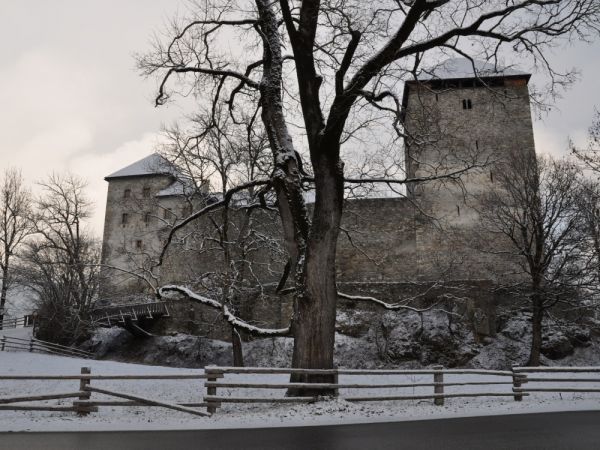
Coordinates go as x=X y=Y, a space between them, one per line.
x=454 y=117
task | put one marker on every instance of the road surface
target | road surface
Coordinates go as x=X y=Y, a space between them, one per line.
x=564 y=430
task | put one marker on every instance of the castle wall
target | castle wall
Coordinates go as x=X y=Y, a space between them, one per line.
x=385 y=246
x=377 y=241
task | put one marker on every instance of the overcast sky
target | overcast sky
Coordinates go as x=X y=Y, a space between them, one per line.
x=72 y=100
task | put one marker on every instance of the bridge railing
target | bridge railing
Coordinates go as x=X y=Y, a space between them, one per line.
x=118 y=313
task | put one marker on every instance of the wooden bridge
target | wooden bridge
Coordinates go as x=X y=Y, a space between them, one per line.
x=128 y=316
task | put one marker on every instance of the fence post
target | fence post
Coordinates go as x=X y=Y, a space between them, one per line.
x=211 y=407
x=438 y=388
x=336 y=380
x=517 y=379
x=84 y=410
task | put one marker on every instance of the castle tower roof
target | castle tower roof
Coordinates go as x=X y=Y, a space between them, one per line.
x=153 y=164
x=463 y=68
x=463 y=71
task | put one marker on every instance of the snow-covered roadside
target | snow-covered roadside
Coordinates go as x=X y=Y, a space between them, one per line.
x=23 y=333
x=250 y=415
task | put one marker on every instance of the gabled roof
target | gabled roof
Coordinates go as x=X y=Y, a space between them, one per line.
x=463 y=68
x=153 y=164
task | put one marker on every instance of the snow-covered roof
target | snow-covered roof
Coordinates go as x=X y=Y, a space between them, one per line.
x=177 y=188
x=460 y=68
x=153 y=164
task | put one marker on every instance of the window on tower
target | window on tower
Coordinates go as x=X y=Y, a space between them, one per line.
x=467 y=104
x=146 y=192
x=138 y=244
x=124 y=219
x=127 y=193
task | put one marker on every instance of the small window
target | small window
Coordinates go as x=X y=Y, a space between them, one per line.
x=125 y=219
x=491 y=176
x=147 y=219
x=437 y=98
x=477 y=145
x=138 y=244
x=146 y=192
x=127 y=193
x=467 y=104
x=457 y=210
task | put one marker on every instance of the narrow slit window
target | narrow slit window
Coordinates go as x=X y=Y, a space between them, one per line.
x=437 y=98
x=124 y=218
x=147 y=219
x=146 y=192
x=457 y=210
x=127 y=193
x=464 y=104
x=477 y=145
x=491 y=176
x=469 y=104
x=138 y=244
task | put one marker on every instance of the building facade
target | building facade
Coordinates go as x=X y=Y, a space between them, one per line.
x=454 y=119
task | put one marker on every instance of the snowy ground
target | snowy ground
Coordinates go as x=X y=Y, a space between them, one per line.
x=252 y=415
x=23 y=333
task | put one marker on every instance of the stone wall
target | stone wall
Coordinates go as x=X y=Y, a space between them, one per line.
x=392 y=248
x=446 y=138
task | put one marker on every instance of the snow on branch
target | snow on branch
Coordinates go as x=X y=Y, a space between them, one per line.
x=234 y=321
x=389 y=306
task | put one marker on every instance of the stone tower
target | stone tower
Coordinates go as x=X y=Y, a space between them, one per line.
x=461 y=114
x=143 y=198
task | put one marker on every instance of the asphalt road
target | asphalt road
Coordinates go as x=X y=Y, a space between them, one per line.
x=564 y=430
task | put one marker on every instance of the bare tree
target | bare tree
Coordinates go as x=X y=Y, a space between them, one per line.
x=589 y=155
x=345 y=56
x=61 y=264
x=15 y=226
x=533 y=212
x=228 y=153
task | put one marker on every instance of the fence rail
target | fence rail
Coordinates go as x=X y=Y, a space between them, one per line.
x=17 y=322
x=438 y=394
x=548 y=384
x=84 y=404
x=36 y=345
x=218 y=379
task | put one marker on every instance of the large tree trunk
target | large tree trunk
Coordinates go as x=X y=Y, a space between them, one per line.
x=315 y=304
x=3 y=293
x=536 y=330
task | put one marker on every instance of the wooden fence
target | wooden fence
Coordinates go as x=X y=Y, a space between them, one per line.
x=437 y=384
x=556 y=381
x=515 y=381
x=84 y=404
x=20 y=322
x=36 y=345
